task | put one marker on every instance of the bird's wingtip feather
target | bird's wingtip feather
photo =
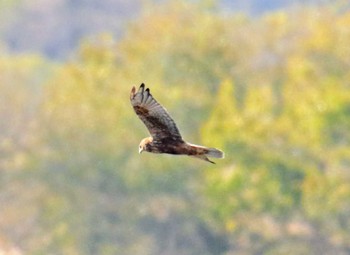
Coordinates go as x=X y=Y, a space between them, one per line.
x=142 y=88
x=133 y=90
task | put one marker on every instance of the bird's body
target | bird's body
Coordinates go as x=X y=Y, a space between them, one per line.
x=165 y=136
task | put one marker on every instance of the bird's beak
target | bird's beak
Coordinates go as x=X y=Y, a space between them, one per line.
x=140 y=150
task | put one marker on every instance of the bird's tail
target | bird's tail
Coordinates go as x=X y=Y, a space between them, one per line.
x=203 y=153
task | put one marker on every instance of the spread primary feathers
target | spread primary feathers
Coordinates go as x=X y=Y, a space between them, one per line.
x=165 y=136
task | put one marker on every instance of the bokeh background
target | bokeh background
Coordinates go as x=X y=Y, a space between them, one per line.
x=268 y=82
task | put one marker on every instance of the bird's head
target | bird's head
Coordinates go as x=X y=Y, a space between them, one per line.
x=145 y=145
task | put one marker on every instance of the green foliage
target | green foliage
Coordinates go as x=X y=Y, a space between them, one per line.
x=272 y=93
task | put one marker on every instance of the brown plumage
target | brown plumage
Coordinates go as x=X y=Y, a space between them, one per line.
x=165 y=136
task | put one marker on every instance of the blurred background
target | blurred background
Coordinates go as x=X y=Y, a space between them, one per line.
x=265 y=81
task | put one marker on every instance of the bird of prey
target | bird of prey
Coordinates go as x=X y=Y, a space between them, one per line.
x=165 y=136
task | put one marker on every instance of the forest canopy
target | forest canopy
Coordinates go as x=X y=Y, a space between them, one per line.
x=272 y=92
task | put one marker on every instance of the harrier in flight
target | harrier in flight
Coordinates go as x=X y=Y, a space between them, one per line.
x=165 y=136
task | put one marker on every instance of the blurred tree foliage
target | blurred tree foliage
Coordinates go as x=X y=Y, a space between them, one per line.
x=272 y=92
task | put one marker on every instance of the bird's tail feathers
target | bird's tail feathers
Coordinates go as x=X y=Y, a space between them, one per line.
x=215 y=153
x=204 y=152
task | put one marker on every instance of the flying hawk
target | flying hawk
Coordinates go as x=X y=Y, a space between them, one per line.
x=165 y=136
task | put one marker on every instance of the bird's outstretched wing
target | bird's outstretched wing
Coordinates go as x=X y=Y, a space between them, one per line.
x=156 y=118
